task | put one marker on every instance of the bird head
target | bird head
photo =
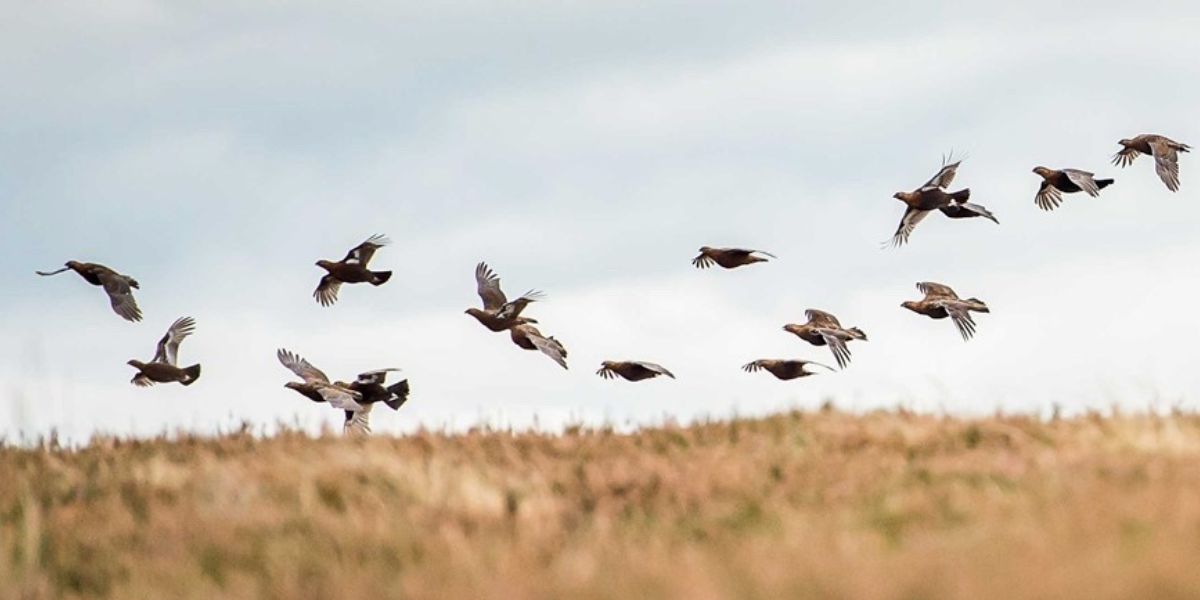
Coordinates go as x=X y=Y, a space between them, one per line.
x=135 y=363
x=324 y=264
x=73 y=264
x=791 y=328
x=704 y=249
x=1043 y=171
x=292 y=385
x=910 y=305
x=1124 y=142
x=899 y=196
x=608 y=364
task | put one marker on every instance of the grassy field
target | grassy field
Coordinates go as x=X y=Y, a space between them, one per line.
x=799 y=505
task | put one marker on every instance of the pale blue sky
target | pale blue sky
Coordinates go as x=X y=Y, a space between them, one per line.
x=215 y=151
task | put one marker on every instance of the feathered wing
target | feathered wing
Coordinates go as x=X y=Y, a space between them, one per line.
x=1166 y=163
x=340 y=397
x=1125 y=157
x=1086 y=181
x=655 y=367
x=805 y=363
x=944 y=177
x=301 y=367
x=550 y=347
x=935 y=290
x=376 y=376
x=703 y=261
x=1048 y=197
x=513 y=309
x=120 y=295
x=358 y=422
x=487 y=284
x=836 y=340
x=961 y=317
x=966 y=210
x=327 y=291
x=912 y=217
x=168 y=347
x=362 y=253
x=821 y=318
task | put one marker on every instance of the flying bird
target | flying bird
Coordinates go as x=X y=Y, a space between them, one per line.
x=118 y=287
x=940 y=302
x=1164 y=150
x=632 y=370
x=933 y=196
x=1056 y=182
x=823 y=329
x=729 y=258
x=164 y=367
x=783 y=369
x=354 y=399
x=498 y=313
x=528 y=337
x=352 y=269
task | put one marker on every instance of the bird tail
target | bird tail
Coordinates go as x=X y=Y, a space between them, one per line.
x=399 y=394
x=857 y=334
x=380 y=277
x=961 y=195
x=193 y=373
x=977 y=305
x=1103 y=183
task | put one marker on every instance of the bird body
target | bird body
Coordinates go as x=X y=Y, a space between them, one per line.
x=351 y=269
x=823 y=329
x=1164 y=150
x=354 y=399
x=782 y=368
x=498 y=313
x=118 y=287
x=941 y=302
x=632 y=370
x=729 y=258
x=1056 y=182
x=932 y=196
x=164 y=367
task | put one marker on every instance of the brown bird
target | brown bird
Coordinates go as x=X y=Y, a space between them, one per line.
x=823 y=329
x=498 y=312
x=352 y=269
x=728 y=258
x=940 y=302
x=164 y=367
x=1164 y=150
x=355 y=399
x=118 y=287
x=528 y=337
x=783 y=369
x=1056 y=182
x=632 y=370
x=933 y=196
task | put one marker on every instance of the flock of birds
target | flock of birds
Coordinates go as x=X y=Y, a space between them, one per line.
x=499 y=314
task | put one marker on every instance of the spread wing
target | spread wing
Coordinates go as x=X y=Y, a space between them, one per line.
x=1166 y=163
x=912 y=217
x=1086 y=181
x=961 y=317
x=836 y=340
x=749 y=252
x=821 y=318
x=376 y=376
x=168 y=346
x=550 y=347
x=1125 y=157
x=944 y=177
x=935 y=290
x=120 y=294
x=966 y=210
x=302 y=368
x=362 y=253
x=657 y=368
x=512 y=310
x=1048 y=197
x=487 y=283
x=358 y=422
x=327 y=291
x=340 y=397
x=805 y=363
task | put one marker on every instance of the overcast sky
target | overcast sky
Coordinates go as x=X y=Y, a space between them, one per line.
x=215 y=150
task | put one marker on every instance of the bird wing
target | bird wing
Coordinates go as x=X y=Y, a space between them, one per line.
x=966 y=210
x=961 y=317
x=703 y=261
x=376 y=376
x=399 y=395
x=327 y=291
x=1125 y=157
x=550 y=347
x=1166 y=163
x=1086 y=181
x=657 y=368
x=168 y=346
x=753 y=366
x=340 y=397
x=511 y=310
x=836 y=340
x=944 y=177
x=805 y=363
x=487 y=283
x=935 y=290
x=1048 y=197
x=362 y=253
x=820 y=317
x=912 y=217
x=120 y=294
x=302 y=368
x=358 y=422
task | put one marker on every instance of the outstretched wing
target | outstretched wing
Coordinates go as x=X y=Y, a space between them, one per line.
x=836 y=340
x=912 y=217
x=376 y=376
x=805 y=363
x=487 y=283
x=1048 y=197
x=749 y=252
x=168 y=346
x=1086 y=181
x=550 y=347
x=302 y=368
x=967 y=210
x=821 y=318
x=961 y=317
x=753 y=366
x=703 y=261
x=655 y=367
x=327 y=291
x=1166 y=163
x=358 y=422
x=340 y=397
x=120 y=295
x=935 y=290
x=512 y=310
x=362 y=253
x=1125 y=157
x=943 y=177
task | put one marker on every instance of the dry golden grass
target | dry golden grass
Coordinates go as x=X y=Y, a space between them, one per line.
x=800 y=505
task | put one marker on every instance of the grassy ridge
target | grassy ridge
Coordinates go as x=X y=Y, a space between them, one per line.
x=822 y=505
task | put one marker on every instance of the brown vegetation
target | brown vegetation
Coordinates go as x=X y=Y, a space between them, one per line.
x=799 y=505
